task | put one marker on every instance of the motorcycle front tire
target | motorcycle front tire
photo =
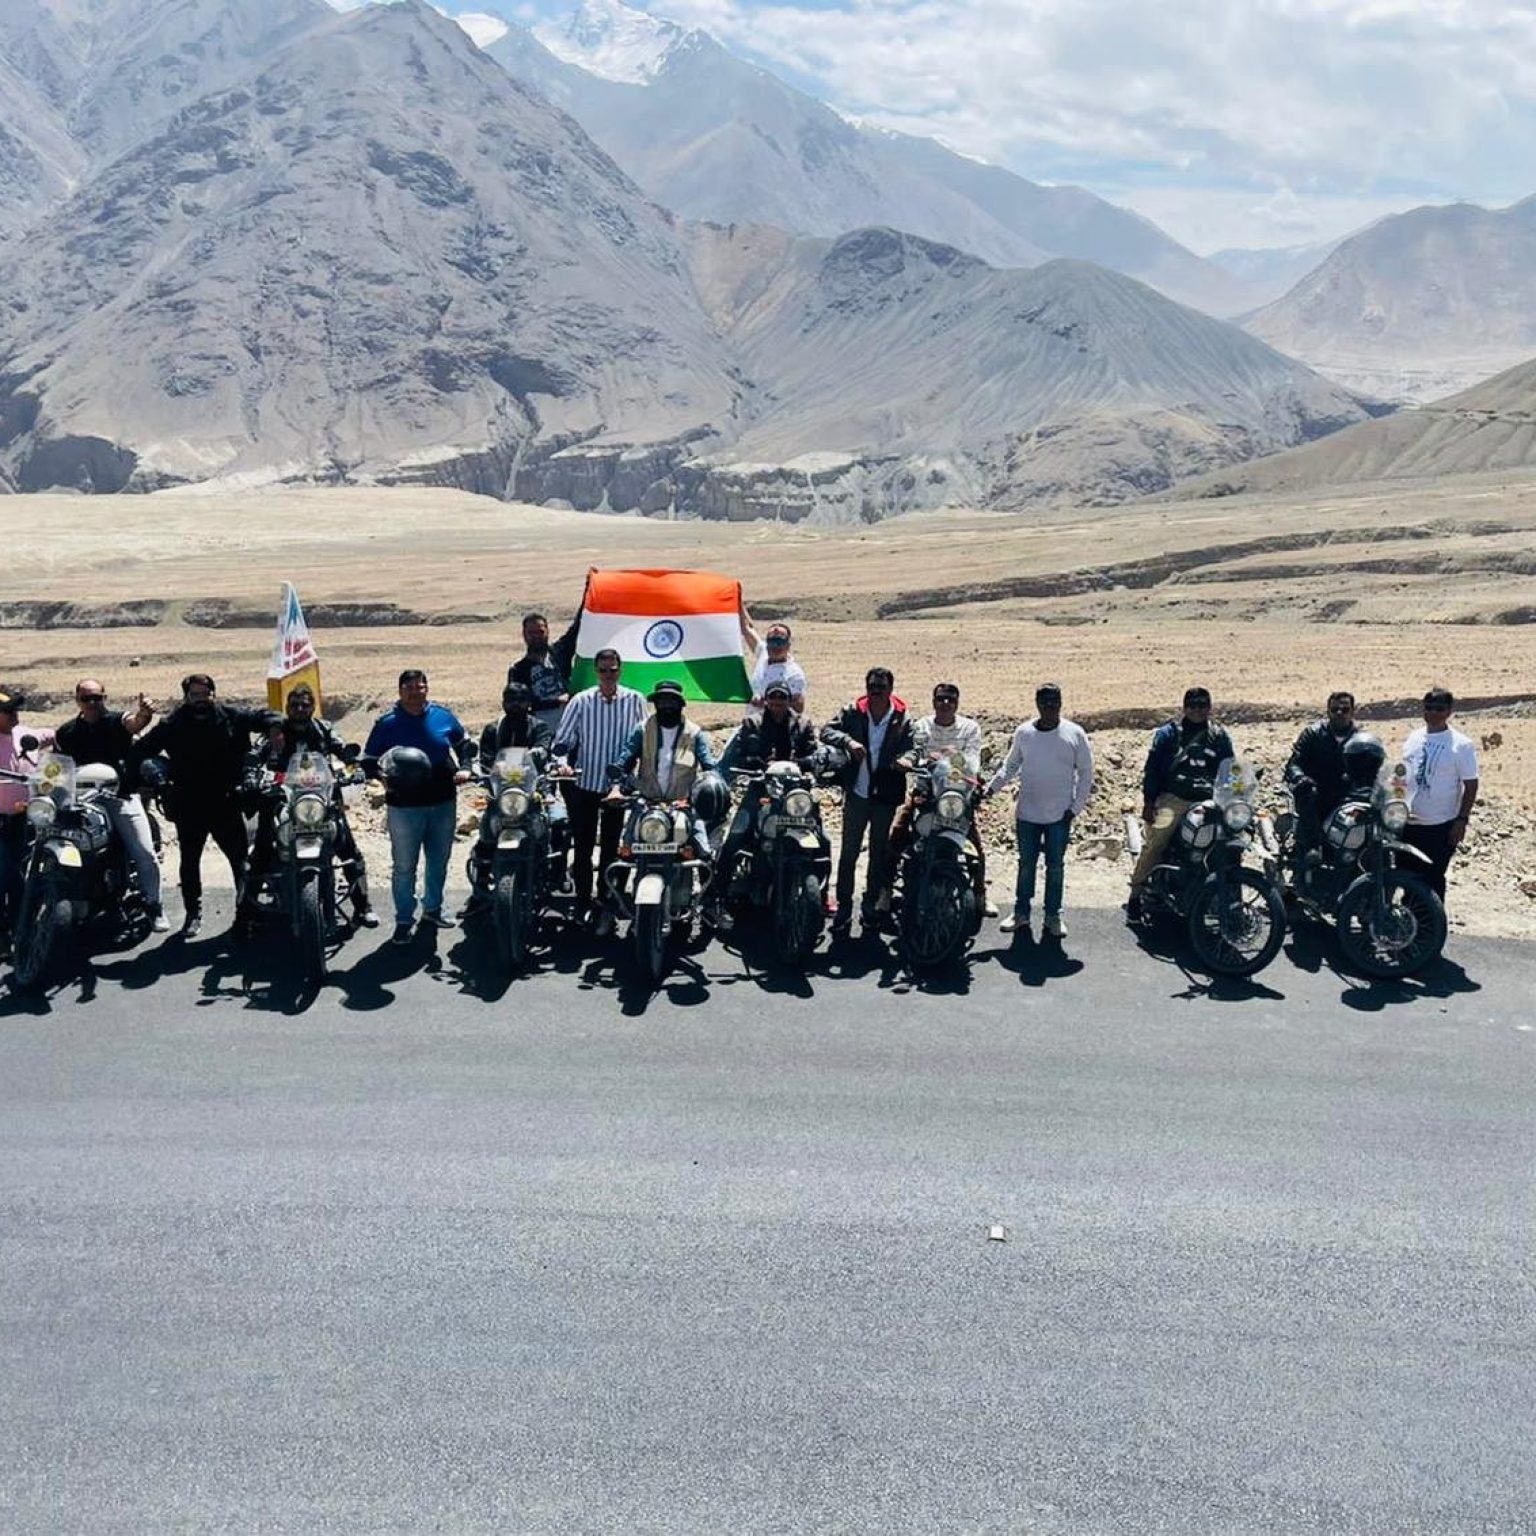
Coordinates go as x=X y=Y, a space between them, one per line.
x=937 y=918
x=1421 y=906
x=42 y=937
x=1213 y=951
x=798 y=921
x=510 y=918
x=309 y=925
x=653 y=927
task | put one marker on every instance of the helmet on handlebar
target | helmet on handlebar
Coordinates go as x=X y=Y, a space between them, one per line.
x=405 y=767
x=711 y=799
x=1363 y=756
x=154 y=773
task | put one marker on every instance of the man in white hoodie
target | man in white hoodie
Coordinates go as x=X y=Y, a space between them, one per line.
x=1051 y=759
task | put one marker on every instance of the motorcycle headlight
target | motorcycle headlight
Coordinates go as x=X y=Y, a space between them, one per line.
x=513 y=803
x=655 y=827
x=1238 y=815
x=951 y=806
x=799 y=803
x=309 y=810
x=42 y=812
x=1394 y=815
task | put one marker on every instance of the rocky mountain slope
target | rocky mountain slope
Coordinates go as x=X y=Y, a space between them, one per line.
x=1487 y=428
x=1270 y=273
x=39 y=159
x=377 y=255
x=715 y=138
x=1419 y=305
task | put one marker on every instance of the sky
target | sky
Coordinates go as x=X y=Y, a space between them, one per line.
x=1252 y=123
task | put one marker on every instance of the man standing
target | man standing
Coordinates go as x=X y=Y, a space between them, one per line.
x=592 y=733
x=421 y=806
x=875 y=733
x=101 y=735
x=1180 y=772
x=205 y=744
x=13 y=818
x=1315 y=770
x=1053 y=762
x=545 y=669
x=1442 y=786
x=773 y=662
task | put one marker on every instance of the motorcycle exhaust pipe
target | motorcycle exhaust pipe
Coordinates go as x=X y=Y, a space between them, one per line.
x=1133 y=837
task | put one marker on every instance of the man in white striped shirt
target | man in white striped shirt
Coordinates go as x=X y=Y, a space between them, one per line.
x=593 y=730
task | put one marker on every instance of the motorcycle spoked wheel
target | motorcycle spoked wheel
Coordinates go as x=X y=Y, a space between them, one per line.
x=1408 y=936
x=42 y=937
x=798 y=922
x=653 y=928
x=310 y=927
x=1236 y=923
x=935 y=931
x=512 y=918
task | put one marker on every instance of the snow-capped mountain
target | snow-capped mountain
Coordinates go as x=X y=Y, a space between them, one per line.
x=715 y=138
x=1417 y=306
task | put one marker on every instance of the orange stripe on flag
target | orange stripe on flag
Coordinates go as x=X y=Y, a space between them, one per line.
x=661 y=594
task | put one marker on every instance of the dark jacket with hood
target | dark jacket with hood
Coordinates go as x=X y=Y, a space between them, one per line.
x=887 y=783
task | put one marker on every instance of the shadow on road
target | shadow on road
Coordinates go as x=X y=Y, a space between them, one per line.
x=1167 y=943
x=1314 y=947
x=1034 y=963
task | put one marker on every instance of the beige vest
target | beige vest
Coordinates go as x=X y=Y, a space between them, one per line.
x=685 y=761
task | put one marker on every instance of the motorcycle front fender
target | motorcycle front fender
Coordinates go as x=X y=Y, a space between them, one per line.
x=649 y=890
x=509 y=841
x=1399 y=847
x=308 y=849
x=806 y=839
x=65 y=855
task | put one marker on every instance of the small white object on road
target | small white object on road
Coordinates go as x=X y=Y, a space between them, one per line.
x=997 y=1234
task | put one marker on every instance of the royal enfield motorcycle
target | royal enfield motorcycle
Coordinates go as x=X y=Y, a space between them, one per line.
x=1364 y=878
x=77 y=867
x=785 y=865
x=659 y=878
x=519 y=861
x=1234 y=915
x=937 y=910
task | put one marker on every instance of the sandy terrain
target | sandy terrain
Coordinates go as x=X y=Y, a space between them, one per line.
x=1271 y=602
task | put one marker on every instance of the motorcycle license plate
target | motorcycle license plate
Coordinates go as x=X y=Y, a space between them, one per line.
x=647 y=849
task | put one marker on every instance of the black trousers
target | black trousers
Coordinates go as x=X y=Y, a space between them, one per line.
x=593 y=824
x=195 y=824
x=859 y=816
x=1435 y=842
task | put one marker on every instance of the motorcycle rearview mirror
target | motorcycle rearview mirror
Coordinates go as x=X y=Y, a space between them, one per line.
x=30 y=743
x=351 y=752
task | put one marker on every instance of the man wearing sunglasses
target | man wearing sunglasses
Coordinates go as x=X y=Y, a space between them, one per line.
x=1315 y=769
x=1442 y=786
x=101 y=735
x=774 y=662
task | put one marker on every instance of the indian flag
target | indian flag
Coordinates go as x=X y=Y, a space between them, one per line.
x=682 y=625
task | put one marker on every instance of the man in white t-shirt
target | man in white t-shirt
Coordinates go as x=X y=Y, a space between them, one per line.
x=1442 y=785
x=1051 y=759
x=773 y=662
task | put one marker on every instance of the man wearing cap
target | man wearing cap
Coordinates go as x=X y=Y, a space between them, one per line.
x=1053 y=762
x=666 y=757
x=13 y=812
x=1180 y=772
x=101 y=735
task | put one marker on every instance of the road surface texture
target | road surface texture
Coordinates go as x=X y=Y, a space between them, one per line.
x=1068 y=1243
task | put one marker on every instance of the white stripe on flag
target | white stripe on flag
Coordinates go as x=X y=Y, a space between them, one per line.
x=692 y=637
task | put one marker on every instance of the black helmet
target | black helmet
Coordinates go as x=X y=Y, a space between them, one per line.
x=406 y=767
x=1363 y=757
x=711 y=799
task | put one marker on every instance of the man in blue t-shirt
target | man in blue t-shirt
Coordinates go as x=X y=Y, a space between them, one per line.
x=421 y=805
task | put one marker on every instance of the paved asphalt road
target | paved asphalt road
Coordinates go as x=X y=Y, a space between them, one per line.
x=425 y=1254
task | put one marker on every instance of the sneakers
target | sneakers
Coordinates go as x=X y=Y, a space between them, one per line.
x=366 y=917
x=988 y=907
x=1133 y=908
x=402 y=934
x=192 y=923
x=1015 y=922
x=1054 y=927
x=437 y=920
x=158 y=921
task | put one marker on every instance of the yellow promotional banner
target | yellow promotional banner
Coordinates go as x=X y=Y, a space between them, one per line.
x=294 y=660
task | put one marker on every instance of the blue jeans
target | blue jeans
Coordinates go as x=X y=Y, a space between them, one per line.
x=414 y=829
x=1052 y=836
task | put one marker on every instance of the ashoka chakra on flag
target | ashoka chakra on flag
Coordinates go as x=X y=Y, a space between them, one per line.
x=682 y=625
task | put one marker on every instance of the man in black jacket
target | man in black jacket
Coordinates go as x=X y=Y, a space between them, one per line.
x=1315 y=771
x=519 y=726
x=876 y=734
x=545 y=668
x=205 y=745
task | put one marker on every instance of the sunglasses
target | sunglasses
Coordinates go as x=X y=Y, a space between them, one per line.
x=876 y=688
x=778 y=639
x=1341 y=709
x=92 y=698
x=607 y=671
x=1437 y=709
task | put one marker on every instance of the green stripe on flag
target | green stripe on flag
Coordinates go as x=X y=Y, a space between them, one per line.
x=710 y=680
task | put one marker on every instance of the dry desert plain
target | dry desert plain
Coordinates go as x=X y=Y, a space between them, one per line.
x=1271 y=601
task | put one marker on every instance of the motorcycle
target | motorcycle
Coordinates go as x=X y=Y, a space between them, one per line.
x=77 y=867
x=1234 y=915
x=1389 y=921
x=520 y=858
x=305 y=880
x=937 y=909
x=786 y=863
x=659 y=878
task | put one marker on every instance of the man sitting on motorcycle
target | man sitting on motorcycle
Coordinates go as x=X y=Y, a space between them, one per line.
x=669 y=758
x=778 y=735
x=949 y=736
x=13 y=807
x=1315 y=769
x=1180 y=772
x=101 y=735
x=520 y=726
x=300 y=730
